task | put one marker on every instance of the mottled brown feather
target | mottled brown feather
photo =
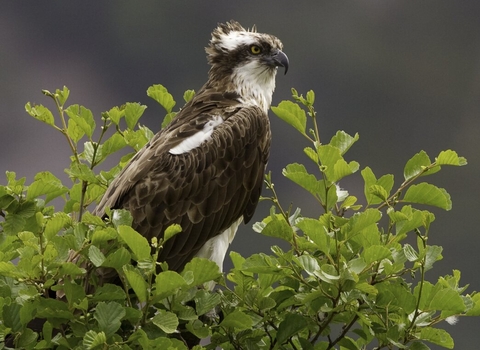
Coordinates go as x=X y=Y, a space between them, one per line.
x=204 y=190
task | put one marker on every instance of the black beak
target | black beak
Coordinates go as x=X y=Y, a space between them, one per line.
x=281 y=60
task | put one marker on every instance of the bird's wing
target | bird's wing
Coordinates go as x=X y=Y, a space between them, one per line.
x=205 y=189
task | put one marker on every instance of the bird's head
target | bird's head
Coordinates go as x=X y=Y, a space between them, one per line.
x=246 y=62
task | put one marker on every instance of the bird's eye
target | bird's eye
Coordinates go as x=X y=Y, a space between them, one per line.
x=256 y=50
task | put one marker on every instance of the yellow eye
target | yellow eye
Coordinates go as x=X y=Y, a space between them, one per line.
x=256 y=50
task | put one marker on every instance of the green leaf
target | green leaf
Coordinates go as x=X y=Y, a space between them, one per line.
x=136 y=242
x=376 y=253
x=115 y=114
x=171 y=231
x=310 y=97
x=45 y=183
x=121 y=217
x=133 y=112
x=425 y=193
x=62 y=95
x=168 y=118
x=203 y=271
x=113 y=144
x=446 y=299
x=475 y=310
x=343 y=141
x=298 y=174
x=292 y=114
x=291 y=325
x=11 y=317
x=137 y=282
x=360 y=221
x=166 y=321
x=41 y=113
x=206 y=301
x=317 y=232
x=188 y=95
x=379 y=192
x=109 y=292
x=160 y=94
x=168 y=283
x=278 y=227
x=109 y=316
x=386 y=181
x=92 y=339
x=118 y=259
x=450 y=157
x=237 y=320
x=83 y=117
x=437 y=336
x=416 y=165
x=96 y=256
x=74 y=131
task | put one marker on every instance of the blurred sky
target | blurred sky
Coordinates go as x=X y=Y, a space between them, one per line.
x=405 y=75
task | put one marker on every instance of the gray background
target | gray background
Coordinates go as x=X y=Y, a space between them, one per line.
x=404 y=74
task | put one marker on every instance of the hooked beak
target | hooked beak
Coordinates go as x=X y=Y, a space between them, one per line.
x=281 y=60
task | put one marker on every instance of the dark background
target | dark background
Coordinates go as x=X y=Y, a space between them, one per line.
x=404 y=74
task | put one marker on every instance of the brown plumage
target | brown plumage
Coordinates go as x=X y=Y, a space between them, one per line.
x=209 y=182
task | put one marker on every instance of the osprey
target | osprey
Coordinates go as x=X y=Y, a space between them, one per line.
x=205 y=170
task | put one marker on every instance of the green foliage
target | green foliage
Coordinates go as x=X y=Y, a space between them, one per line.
x=338 y=283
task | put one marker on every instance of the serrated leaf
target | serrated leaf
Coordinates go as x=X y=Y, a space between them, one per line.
x=425 y=193
x=360 y=221
x=74 y=131
x=109 y=292
x=83 y=117
x=292 y=114
x=136 y=282
x=118 y=259
x=45 y=183
x=206 y=301
x=203 y=270
x=113 y=144
x=160 y=94
x=379 y=192
x=41 y=113
x=168 y=118
x=450 y=157
x=62 y=95
x=342 y=169
x=136 y=242
x=436 y=336
x=432 y=255
x=168 y=283
x=109 y=316
x=315 y=231
x=115 y=114
x=376 y=253
x=446 y=299
x=343 y=141
x=298 y=174
x=166 y=321
x=279 y=228
x=188 y=95
x=237 y=320
x=171 y=231
x=92 y=339
x=410 y=253
x=291 y=325
x=133 y=112
x=416 y=165
x=96 y=256
x=475 y=310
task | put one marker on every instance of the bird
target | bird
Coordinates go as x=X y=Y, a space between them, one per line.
x=205 y=170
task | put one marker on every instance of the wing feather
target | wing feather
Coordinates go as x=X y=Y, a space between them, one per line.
x=204 y=190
